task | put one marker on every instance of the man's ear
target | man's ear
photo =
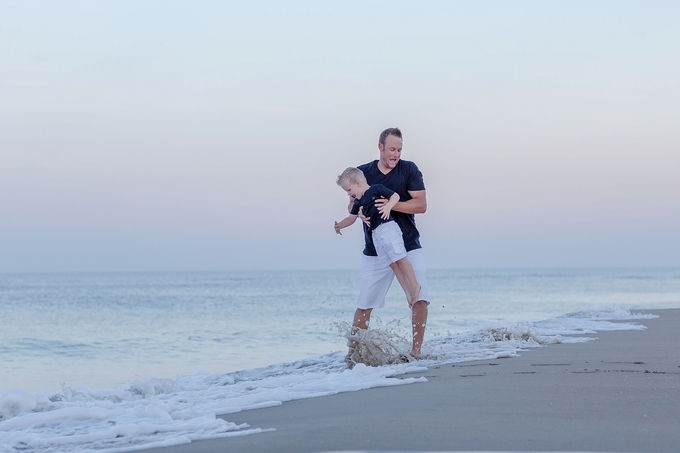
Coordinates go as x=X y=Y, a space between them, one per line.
x=380 y=146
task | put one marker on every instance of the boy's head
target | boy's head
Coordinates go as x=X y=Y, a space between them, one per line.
x=353 y=181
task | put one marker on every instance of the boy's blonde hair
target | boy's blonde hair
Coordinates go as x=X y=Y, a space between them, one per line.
x=351 y=175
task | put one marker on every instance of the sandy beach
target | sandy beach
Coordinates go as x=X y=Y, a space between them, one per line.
x=620 y=392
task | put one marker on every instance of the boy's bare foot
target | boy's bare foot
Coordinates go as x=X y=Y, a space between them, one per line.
x=409 y=297
x=415 y=293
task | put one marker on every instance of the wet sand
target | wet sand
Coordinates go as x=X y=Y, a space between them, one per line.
x=620 y=392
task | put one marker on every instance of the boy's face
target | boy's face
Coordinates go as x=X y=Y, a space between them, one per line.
x=354 y=190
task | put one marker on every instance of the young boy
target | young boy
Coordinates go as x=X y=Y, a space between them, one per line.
x=387 y=236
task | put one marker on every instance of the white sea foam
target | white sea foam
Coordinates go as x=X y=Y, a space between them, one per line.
x=163 y=412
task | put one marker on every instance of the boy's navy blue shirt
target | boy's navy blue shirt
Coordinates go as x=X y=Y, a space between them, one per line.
x=404 y=177
x=367 y=202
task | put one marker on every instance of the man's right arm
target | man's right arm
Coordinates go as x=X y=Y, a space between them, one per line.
x=416 y=205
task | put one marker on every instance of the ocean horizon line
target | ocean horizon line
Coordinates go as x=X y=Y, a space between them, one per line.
x=343 y=269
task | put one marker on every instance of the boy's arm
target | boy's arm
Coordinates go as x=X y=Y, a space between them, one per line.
x=344 y=223
x=363 y=218
x=387 y=207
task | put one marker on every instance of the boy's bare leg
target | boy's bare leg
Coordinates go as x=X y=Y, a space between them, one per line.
x=414 y=288
x=402 y=279
x=418 y=321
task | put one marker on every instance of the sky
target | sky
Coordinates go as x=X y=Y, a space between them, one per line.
x=190 y=136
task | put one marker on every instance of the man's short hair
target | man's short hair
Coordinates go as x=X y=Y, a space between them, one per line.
x=387 y=132
x=350 y=175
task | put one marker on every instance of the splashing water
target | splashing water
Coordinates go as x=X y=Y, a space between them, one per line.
x=521 y=333
x=376 y=346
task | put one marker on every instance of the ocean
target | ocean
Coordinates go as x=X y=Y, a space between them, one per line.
x=122 y=361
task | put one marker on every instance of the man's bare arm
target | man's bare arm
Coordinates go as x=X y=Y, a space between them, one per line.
x=416 y=205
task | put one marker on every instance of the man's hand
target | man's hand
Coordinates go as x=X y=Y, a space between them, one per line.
x=337 y=229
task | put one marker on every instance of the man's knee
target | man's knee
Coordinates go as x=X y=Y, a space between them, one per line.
x=363 y=312
x=420 y=305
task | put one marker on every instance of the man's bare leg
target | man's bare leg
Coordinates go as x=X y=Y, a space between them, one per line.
x=418 y=321
x=361 y=320
x=362 y=316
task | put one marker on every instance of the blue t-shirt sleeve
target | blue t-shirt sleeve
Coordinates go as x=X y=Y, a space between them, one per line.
x=414 y=180
x=355 y=208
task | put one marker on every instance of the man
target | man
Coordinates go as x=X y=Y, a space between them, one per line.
x=375 y=279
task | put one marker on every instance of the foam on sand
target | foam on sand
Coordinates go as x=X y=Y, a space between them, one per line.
x=164 y=412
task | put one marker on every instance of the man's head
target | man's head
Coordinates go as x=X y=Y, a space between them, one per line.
x=353 y=181
x=389 y=144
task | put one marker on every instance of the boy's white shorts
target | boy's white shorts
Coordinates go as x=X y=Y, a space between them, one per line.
x=389 y=243
x=375 y=279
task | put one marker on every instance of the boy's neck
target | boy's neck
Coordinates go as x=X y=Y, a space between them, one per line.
x=364 y=187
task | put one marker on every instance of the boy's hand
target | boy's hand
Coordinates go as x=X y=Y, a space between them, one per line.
x=380 y=202
x=337 y=229
x=384 y=212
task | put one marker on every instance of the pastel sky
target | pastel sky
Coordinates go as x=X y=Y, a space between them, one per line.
x=177 y=135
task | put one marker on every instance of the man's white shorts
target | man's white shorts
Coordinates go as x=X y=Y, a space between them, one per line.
x=375 y=279
x=389 y=243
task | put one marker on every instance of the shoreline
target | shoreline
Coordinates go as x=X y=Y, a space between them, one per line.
x=620 y=392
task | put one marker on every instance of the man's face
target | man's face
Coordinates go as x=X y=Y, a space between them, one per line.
x=390 y=152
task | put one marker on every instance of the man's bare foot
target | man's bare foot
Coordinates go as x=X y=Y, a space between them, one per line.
x=349 y=361
x=405 y=358
x=350 y=358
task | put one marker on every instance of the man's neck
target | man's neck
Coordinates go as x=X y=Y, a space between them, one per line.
x=383 y=168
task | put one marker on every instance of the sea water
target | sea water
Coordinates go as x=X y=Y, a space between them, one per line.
x=113 y=362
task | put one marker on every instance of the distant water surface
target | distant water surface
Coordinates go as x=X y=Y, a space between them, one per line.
x=102 y=330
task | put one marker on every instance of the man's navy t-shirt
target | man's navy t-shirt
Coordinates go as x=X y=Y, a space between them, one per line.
x=367 y=202
x=404 y=177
